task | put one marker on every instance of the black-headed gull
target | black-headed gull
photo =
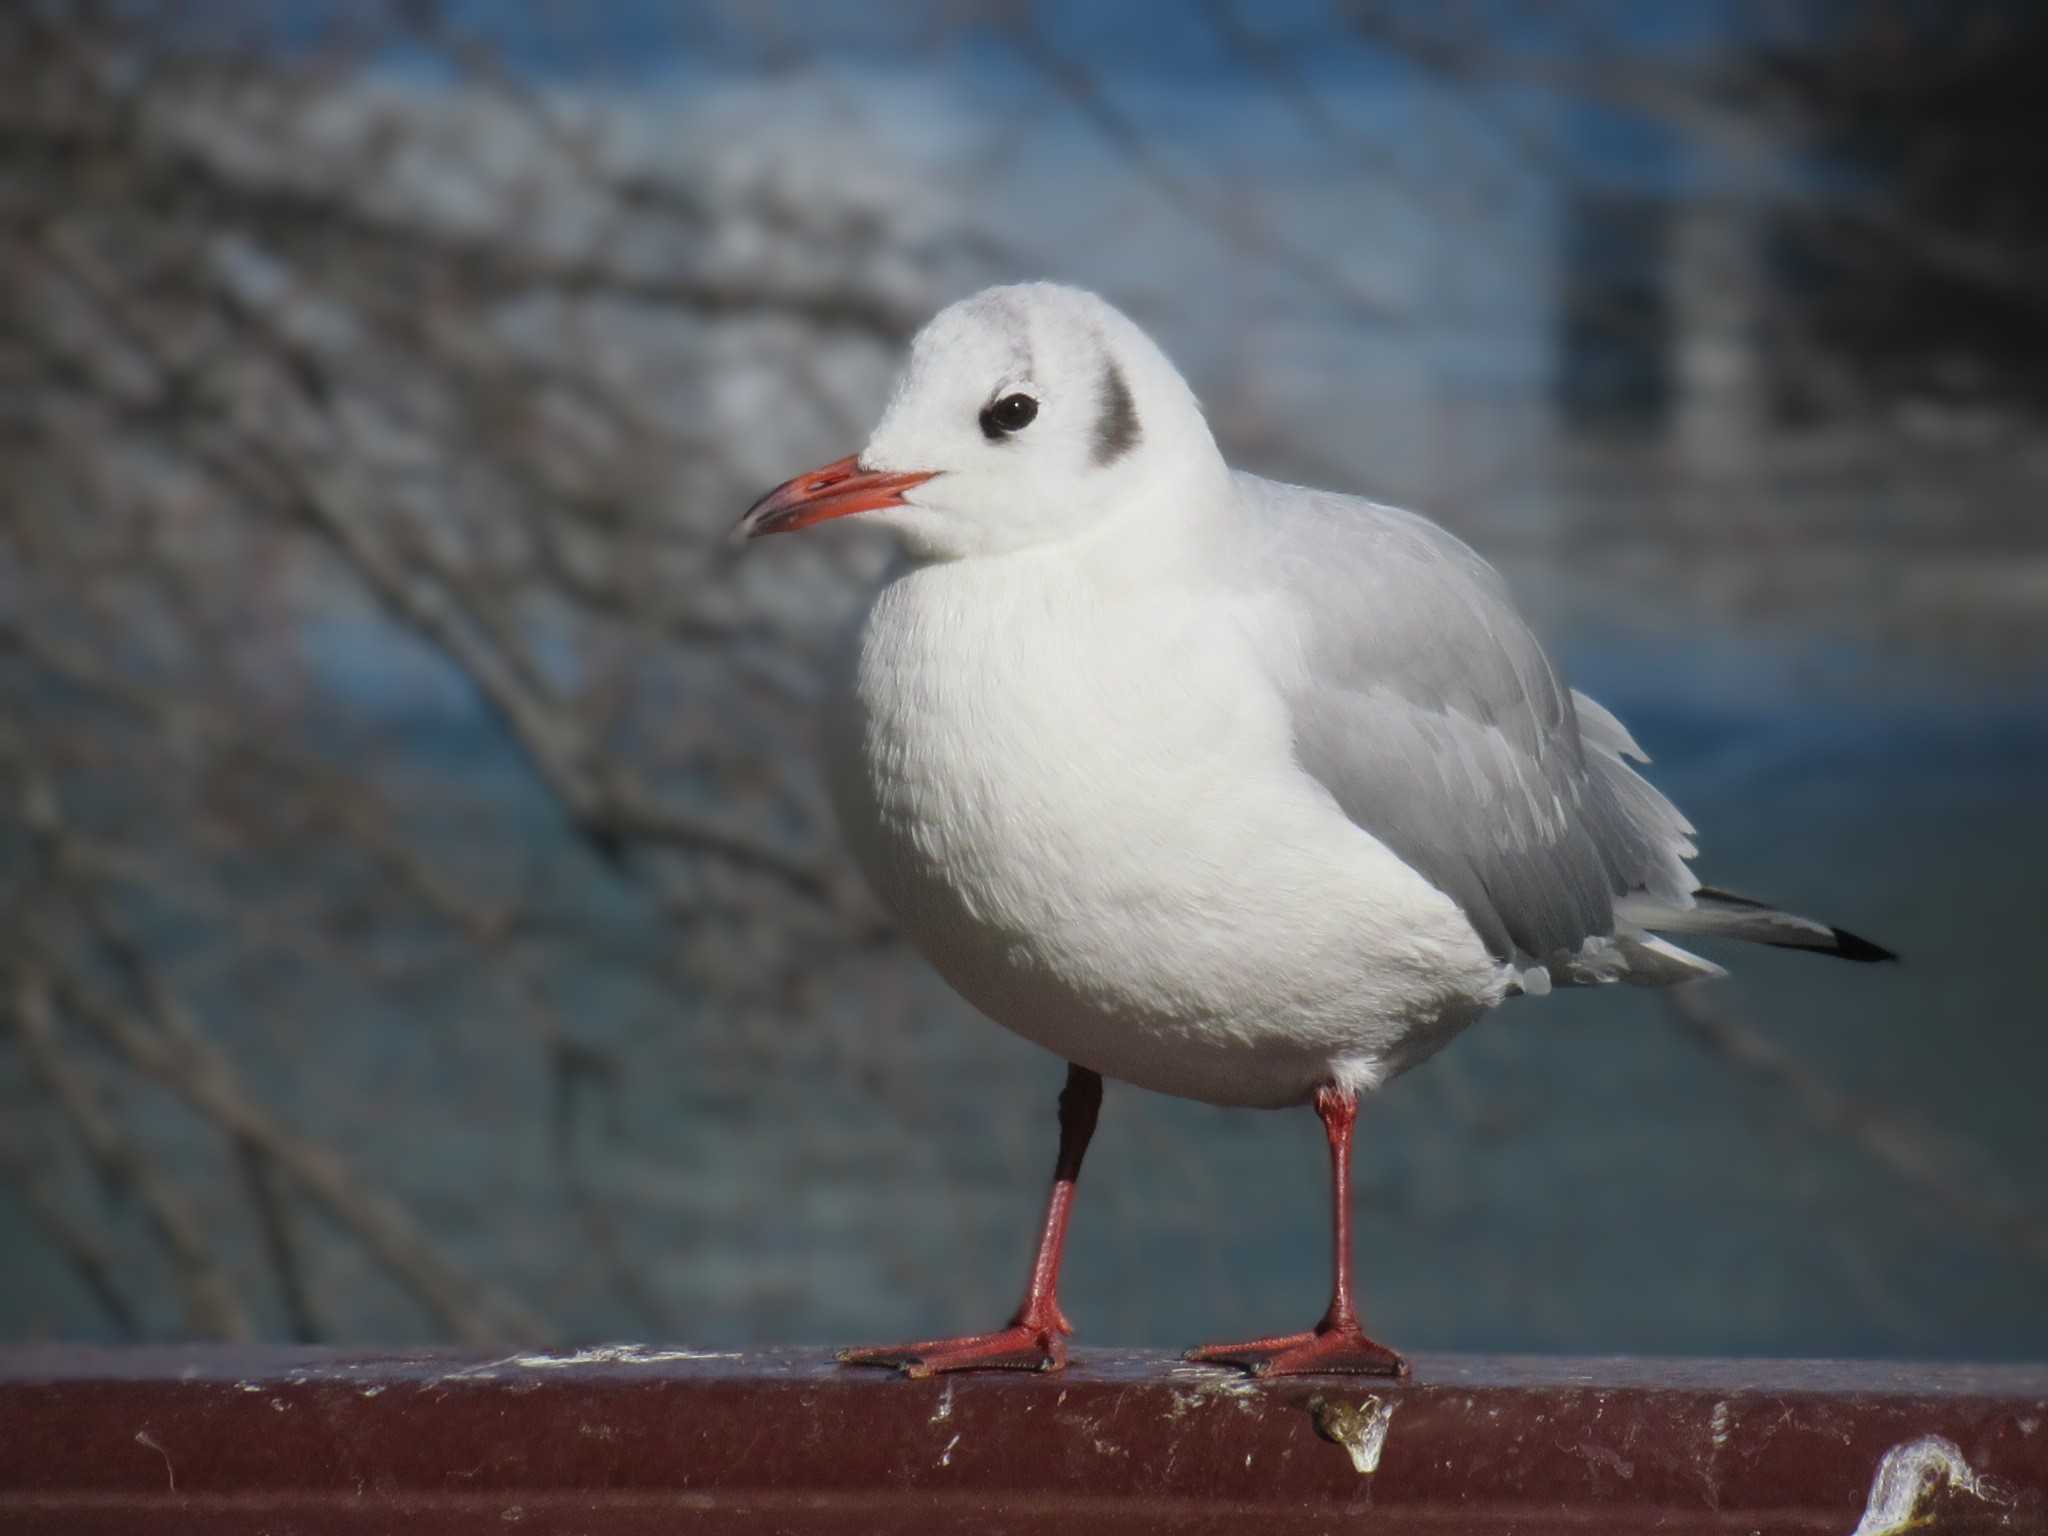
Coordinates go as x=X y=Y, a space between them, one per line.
x=1226 y=788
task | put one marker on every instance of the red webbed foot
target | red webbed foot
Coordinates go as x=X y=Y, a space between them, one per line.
x=1023 y=1346
x=1344 y=1351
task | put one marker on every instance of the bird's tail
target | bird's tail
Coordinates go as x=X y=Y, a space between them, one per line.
x=1722 y=914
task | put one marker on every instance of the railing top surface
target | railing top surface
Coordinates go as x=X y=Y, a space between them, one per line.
x=1765 y=1376
x=625 y=1438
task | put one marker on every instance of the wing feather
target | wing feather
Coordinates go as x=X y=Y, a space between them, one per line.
x=1426 y=706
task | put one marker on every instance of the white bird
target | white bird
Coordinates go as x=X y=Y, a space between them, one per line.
x=1224 y=788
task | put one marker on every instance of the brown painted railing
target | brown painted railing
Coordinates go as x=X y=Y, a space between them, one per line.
x=631 y=1440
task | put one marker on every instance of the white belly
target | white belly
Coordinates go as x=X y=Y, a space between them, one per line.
x=1104 y=844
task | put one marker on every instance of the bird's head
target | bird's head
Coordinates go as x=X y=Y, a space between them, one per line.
x=1026 y=415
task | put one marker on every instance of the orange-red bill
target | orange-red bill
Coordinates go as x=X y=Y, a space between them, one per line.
x=835 y=490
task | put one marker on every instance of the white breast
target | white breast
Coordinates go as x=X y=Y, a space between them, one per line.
x=1079 y=799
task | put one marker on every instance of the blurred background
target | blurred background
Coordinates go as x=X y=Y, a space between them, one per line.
x=419 y=919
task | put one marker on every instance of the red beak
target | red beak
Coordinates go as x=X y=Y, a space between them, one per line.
x=836 y=490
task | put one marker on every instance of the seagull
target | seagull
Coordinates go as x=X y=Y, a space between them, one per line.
x=1220 y=787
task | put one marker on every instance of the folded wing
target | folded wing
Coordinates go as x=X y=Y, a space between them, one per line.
x=1426 y=707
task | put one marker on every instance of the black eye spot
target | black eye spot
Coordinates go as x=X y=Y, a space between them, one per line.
x=1012 y=413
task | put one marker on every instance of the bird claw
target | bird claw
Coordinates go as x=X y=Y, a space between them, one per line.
x=1019 y=1347
x=1326 y=1351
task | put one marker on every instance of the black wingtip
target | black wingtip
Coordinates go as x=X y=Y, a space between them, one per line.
x=1845 y=946
x=1850 y=947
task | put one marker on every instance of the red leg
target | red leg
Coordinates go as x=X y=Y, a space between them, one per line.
x=1035 y=1339
x=1337 y=1343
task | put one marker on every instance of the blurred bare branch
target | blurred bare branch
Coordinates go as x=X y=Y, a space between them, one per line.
x=292 y=383
x=281 y=1245
x=386 y=721
x=212 y=1308
x=82 y=1249
x=1238 y=224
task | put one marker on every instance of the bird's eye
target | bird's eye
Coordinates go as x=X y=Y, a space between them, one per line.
x=1012 y=413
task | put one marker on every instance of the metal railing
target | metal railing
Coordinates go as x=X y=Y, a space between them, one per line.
x=628 y=1439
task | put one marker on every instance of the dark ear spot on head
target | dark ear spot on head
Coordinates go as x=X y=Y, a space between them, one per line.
x=1116 y=429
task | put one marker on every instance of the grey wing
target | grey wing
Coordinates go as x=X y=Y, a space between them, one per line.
x=1424 y=704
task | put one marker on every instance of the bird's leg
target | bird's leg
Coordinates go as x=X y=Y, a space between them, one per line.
x=1035 y=1339
x=1337 y=1343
